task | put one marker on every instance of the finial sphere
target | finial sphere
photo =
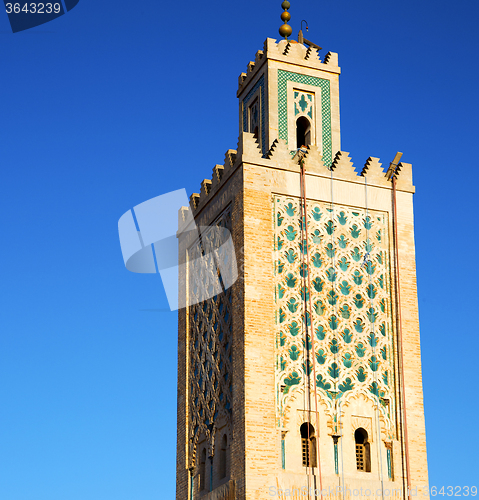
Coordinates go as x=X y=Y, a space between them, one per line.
x=285 y=30
x=285 y=5
x=285 y=16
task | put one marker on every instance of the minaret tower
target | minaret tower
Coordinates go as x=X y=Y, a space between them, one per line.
x=303 y=379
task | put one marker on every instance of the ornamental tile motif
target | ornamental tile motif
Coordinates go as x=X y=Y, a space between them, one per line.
x=287 y=76
x=209 y=347
x=251 y=93
x=303 y=104
x=351 y=306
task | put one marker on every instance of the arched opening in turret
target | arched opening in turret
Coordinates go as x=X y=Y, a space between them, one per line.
x=363 y=452
x=303 y=132
x=254 y=119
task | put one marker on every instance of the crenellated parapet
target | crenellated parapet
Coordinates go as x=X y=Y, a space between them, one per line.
x=404 y=176
x=251 y=68
x=279 y=157
x=221 y=173
x=288 y=51
x=280 y=154
x=374 y=173
x=342 y=167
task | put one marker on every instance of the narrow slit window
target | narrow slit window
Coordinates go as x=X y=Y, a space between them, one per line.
x=222 y=464
x=202 y=478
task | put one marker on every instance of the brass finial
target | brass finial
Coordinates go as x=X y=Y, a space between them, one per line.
x=285 y=30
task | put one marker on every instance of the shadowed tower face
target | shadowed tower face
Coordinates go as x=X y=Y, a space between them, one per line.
x=305 y=375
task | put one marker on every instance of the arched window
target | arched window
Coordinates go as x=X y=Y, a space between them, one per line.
x=254 y=118
x=308 y=445
x=303 y=132
x=222 y=464
x=202 y=483
x=363 y=455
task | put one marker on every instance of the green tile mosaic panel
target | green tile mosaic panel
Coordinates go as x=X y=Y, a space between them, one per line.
x=287 y=76
x=351 y=306
x=210 y=353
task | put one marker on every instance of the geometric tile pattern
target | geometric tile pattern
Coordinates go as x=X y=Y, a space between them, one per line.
x=303 y=103
x=210 y=349
x=259 y=83
x=287 y=76
x=351 y=306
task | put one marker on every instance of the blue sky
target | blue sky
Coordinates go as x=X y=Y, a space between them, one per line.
x=117 y=102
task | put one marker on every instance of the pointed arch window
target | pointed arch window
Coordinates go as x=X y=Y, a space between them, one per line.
x=308 y=445
x=363 y=452
x=303 y=132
